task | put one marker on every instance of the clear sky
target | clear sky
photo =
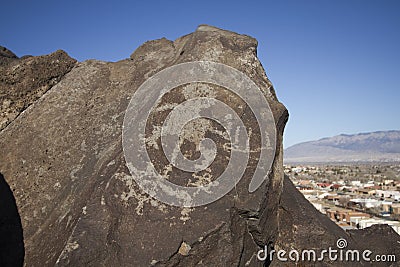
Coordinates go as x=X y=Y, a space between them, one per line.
x=334 y=64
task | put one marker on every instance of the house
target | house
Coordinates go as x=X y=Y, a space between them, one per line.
x=389 y=182
x=347 y=216
x=304 y=187
x=363 y=191
x=332 y=197
x=364 y=203
x=387 y=207
x=369 y=184
x=364 y=223
x=396 y=208
x=335 y=186
x=323 y=185
x=388 y=194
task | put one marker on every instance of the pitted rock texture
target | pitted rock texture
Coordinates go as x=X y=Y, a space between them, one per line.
x=63 y=158
x=24 y=80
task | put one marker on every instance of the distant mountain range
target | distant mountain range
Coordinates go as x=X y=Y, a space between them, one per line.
x=382 y=146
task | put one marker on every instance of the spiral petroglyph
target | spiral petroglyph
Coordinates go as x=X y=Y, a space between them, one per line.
x=186 y=131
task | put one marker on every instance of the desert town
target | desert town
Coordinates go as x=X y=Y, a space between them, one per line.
x=353 y=196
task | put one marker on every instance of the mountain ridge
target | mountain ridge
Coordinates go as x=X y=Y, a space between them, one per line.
x=377 y=146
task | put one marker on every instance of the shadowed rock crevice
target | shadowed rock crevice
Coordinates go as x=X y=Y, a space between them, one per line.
x=11 y=235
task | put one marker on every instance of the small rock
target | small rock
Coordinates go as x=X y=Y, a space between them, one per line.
x=184 y=249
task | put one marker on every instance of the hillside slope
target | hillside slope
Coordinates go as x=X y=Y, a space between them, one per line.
x=382 y=146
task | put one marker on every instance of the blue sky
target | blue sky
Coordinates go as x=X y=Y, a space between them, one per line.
x=334 y=64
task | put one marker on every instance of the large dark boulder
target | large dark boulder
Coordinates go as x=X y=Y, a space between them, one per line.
x=79 y=204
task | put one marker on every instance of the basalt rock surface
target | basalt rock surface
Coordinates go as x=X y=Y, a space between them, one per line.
x=24 y=80
x=78 y=202
x=64 y=161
